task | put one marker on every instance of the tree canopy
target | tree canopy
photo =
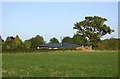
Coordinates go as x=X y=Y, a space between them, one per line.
x=37 y=40
x=0 y=40
x=108 y=44
x=93 y=28
x=27 y=44
x=79 y=39
x=18 y=41
x=67 y=39
x=54 y=40
x=13 y=44
x=7 y=43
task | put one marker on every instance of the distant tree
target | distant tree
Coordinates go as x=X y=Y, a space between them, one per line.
x=108 y=44
x=93 y=28
x=79 y=39
x=67 y=39
x=18 y=41
x=7 y=43
x=27 y=44
x=118 y=43
x=37 y=40
x=99 y=46
x=54 y=40
x=0 y=44
x=13 y=44
x=1 y=40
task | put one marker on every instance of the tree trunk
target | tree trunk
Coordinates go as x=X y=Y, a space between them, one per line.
x=91 y=48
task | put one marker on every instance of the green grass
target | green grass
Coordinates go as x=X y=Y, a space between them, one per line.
x=60 y=64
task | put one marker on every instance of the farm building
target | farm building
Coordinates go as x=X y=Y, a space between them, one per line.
x=63 y=45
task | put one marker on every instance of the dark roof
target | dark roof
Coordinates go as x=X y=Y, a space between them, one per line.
x=58 y=45
x=12 y=38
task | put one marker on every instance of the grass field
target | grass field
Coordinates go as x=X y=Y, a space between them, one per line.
x=60 y=64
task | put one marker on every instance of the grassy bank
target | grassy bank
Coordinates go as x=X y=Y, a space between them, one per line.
x=60 y=64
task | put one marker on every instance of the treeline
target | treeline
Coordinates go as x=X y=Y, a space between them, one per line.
x=15 y=43
x=108 y=44
x=76 y=39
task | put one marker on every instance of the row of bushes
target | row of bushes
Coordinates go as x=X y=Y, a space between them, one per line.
x=37 y=50
x=108 y=44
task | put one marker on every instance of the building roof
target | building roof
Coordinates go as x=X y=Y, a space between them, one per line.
x=58 y=45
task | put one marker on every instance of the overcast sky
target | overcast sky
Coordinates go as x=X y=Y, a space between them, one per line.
x=53 y=19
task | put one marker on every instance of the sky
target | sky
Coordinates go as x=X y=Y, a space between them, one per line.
x=53 y=19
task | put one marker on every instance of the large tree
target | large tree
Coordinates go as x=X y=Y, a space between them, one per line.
x=93 y=28
x=37 y=40
x=54 y=40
